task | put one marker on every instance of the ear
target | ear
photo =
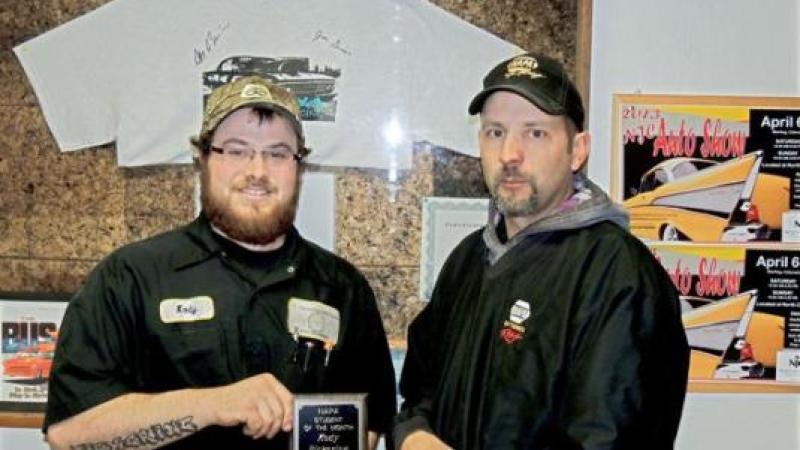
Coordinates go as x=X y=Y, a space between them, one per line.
x=581 y=146
x=197 y=154
x=197 y=159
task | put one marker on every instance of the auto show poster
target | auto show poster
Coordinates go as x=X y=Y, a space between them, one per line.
x=659 y=131
x=740 y=305
x=30 y=326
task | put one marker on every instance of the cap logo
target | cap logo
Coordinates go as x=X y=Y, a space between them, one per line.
x=523 y=66
x=256 y=91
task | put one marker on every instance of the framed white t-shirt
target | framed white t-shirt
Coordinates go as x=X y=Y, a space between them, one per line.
x=372 y=76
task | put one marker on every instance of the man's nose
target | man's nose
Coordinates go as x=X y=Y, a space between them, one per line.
x=511 y=152
x=258 y=165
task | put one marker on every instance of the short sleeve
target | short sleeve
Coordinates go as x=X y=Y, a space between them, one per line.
x=93 y=357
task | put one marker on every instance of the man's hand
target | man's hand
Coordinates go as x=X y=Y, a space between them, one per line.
x=261 y=403
x=423 y=440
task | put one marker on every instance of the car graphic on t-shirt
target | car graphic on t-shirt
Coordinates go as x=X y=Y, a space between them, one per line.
x=314 y=87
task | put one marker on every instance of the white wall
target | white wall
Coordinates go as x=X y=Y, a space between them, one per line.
x=740 y=422
x=22 y=439
x=725 y=47
x=742 y=47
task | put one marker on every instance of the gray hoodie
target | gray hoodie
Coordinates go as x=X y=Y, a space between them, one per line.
x=588 y=205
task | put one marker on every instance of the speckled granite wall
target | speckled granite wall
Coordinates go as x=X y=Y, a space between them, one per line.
x=61 y=212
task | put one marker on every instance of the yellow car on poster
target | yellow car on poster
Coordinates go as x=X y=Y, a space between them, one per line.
x=692 y=199
x=729 y=339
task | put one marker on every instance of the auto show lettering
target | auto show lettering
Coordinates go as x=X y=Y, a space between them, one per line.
x=711 y=281
x=681 y=140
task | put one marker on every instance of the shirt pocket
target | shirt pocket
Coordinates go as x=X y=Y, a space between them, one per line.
x=193 y=354
x=304 y=369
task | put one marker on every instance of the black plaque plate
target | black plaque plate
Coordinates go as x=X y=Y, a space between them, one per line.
x=329 y=422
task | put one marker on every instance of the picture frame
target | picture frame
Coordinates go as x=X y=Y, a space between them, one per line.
x=445 y=222
x=712 y=187
x=29 y=324
x=707 y=169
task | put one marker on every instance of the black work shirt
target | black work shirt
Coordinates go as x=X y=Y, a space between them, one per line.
x=114 y=339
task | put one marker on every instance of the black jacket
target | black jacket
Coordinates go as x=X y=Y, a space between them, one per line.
x=569 y=337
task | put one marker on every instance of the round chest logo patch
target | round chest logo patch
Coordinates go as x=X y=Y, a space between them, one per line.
x=520 y=311
x=513 y=329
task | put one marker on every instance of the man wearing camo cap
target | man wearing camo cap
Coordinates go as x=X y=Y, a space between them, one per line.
x=200 y=337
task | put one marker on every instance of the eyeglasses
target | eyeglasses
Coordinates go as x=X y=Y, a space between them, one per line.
x=275 y=157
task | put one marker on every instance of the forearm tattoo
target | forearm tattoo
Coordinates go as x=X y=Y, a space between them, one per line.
x=155 y=435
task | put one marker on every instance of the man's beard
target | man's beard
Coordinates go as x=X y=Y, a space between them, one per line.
x=262 y=226
x=510 y=206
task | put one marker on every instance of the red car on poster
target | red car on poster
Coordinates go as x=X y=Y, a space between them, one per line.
x=31 y=363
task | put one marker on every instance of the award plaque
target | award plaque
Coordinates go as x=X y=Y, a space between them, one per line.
x=329 y=422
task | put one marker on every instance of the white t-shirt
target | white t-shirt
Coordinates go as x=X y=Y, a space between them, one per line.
x=372 y=76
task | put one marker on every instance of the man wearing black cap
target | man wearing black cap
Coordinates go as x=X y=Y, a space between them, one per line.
x=199 y=338
x=552 y=327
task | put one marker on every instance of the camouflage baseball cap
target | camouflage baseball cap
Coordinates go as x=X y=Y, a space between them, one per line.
x=248 y=91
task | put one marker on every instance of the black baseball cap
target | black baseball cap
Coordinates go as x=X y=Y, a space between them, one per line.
x=539 y=79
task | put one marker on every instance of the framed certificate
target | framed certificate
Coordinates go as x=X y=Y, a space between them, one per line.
x=445 y=222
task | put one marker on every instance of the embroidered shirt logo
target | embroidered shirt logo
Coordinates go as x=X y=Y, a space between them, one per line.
x=193 y=309
x=520 y=311
x=523 y=66
x=513 y=329
x=313 y=320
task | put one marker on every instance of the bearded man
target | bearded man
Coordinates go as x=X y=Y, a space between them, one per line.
x=185 y=340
